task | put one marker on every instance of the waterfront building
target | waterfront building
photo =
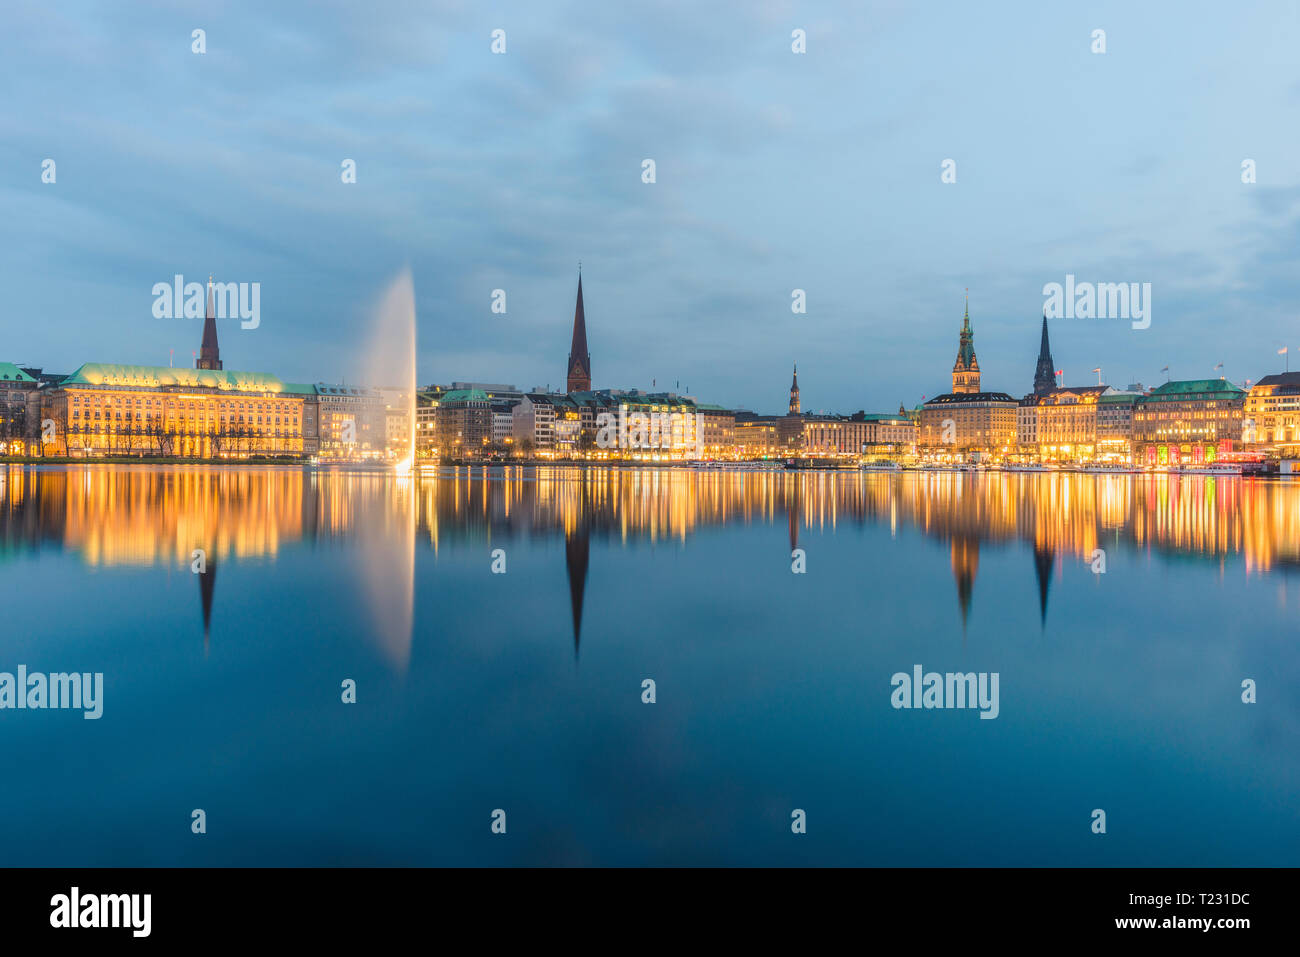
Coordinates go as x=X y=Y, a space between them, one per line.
x=463 y=423
x=351 y=422
x=1188 y=422
x=968 y=421
x=1065 y=427
x=1027 y=424
x=503 y=421
x=756 y=436
x=1271 y=420
x=426 y=423
x=17 y=420
x=1115 y=425
x=110 y=409
x=889 y=436
x=718 y=429
x=533 y=422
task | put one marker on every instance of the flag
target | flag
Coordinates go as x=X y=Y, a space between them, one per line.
x=1282 y=351
x=1165 y=369
x=1218 y=367
x=1098 y=369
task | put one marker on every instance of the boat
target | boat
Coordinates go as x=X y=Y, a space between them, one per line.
x=1212 y=468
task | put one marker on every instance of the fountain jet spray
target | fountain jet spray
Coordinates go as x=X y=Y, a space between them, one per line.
x=391 y=352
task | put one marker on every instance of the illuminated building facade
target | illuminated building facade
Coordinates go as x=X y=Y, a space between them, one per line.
x=463 y=422
x=1188 y=422
x=719 y=429
x=17 y=388
x=1115 y=425
x=966 y=421
x=106 y=409
x=352 y=422
x=1272 y=414
x=1065 y=427
x=757 y=435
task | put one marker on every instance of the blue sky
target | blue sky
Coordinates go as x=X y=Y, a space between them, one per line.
x=775 y=171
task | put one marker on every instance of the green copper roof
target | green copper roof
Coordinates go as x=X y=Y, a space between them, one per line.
x=10 y=372
x=300 y=388
x=1186 y=388
x=464 y=395
x=153 y=377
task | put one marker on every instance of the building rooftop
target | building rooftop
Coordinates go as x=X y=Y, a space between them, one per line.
x=1195 y=388
x=155 y=377
x=11 y=373
x=1285 y=380
x=954 y=398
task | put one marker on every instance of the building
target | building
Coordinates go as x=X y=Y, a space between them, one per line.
x=108 y=409
x=968 y=422
x=463 y=423
x=397 y=420
x=889 y=436
x=1188 y=422
x=718 y=427
x=1115 y=425
x=352 y=422
x=18 y=420
x=579 y=376
x=1272 y=415
x=826 y=435
x=503 y=421
x=983 y=423
x=426 y=424
x=1065 y=423
x=794 y=392
x=756 y=436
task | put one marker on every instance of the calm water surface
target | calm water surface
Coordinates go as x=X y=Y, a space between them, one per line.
x=522 y=691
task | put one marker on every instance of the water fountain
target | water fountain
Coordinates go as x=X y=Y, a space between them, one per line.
x=390 y=356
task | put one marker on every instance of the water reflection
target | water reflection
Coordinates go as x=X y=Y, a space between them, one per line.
x=156 y=516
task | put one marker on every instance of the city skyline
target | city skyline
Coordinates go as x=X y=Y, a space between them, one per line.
x=774 y=173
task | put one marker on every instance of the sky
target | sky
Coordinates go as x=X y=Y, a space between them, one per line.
x=774 y=171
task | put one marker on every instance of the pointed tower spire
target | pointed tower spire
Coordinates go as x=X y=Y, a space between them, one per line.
x=209 y=351
x=794 y=391
x=966 y=370
x=1045 y=371
x=579 y=357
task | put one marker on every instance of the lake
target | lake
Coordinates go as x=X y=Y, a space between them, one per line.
x=498 y=625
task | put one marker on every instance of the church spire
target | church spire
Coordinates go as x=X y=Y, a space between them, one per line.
x=579 y=357
x=794 y=391
x=209 y=351
x=1044 y=372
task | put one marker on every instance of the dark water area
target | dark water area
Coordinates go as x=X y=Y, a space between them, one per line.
x=1121 y=614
